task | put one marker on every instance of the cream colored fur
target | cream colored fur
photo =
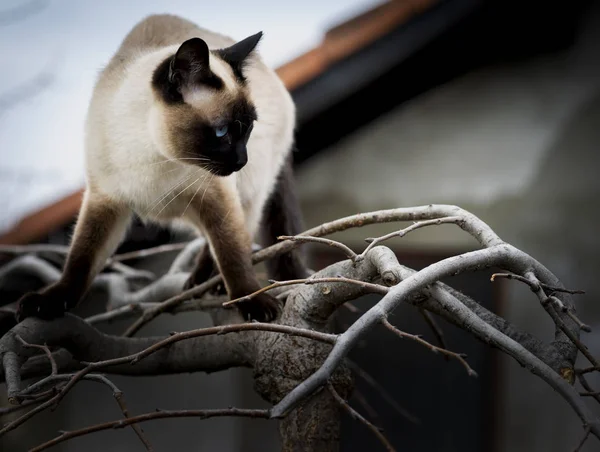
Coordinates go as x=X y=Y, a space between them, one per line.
x=127 y=150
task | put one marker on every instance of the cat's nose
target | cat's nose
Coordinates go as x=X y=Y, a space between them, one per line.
x=241 y=154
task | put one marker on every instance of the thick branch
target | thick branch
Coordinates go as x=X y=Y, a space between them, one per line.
x=207 y=353
x=306 y=316
x=494 y=256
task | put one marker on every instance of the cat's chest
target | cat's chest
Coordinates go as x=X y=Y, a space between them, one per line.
x=156 y=191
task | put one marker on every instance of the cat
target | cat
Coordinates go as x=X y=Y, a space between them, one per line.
x=185 y=125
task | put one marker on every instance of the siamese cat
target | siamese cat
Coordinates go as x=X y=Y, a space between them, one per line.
x=185 y=125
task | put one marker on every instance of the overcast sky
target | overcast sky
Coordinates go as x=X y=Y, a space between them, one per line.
x=52 y=50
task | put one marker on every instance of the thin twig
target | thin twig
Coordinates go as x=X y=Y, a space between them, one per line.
x=357 y=416
x=117 y=393
x=580 y=345
x=43 y=348
x=116 y=313
x=377 y=288
x=372 y=412
x=401 y=233
x=586 y=434
x=39 y=398
x=32 y=389
x=40 y=395
x=383 y=393
x=431 y=347
x=539 y=288
x=149 y=251
x=171 y=303
x=589 y=391
x=582 y=326
x=532 y=278
x=120 y=399
x=305 y=238
x=34 y=249
x=533 y=284
x=162 y=414
x=536 y=287
x=587 y=370
x=437 y=331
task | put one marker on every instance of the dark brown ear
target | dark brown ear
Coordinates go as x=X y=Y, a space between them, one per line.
x=189 y=66
x=191 y=62
x=237 y=53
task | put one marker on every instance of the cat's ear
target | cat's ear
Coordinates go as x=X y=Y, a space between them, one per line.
x=237 y=53
x=190 y=63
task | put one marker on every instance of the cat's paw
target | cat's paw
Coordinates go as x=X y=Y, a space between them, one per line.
x=46 y=305
x=263 y=308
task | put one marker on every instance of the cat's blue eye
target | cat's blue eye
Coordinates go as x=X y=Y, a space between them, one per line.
x=221 y=131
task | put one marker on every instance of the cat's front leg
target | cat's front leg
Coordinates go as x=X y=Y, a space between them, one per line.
x=99 y=229
x=221 y=218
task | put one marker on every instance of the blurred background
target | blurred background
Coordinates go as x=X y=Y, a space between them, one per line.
x=490 y=105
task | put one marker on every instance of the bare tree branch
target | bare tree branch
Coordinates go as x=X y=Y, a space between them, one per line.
x=421 y=224
x=43 y=348
x=160 y=414
x=384 y=394
x=78 y=326
x=533 y=285
x=497 y=255
x=437 y=331
x=356 y=415
x=590 y=392
x=586 y=434
x=117 y=394
x=26 y=404
x=300 y=238
x=560 y=323
x=375 y=288
x=431 y=347
x=296 y=356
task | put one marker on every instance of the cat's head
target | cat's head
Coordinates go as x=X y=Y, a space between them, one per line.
x=203 y=114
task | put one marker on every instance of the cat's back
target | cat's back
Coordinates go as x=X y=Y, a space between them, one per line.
x=155 y=32
x=117 y=134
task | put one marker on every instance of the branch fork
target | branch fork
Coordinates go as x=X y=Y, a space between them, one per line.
x=299 y=341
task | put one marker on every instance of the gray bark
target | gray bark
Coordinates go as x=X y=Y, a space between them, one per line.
x=296 y=356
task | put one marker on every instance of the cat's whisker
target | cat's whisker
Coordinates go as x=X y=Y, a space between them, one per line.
x=201 y=159
x=171 y=170
x=192 y=198
x=169 y=191
x=207 y=185
x=175 y=197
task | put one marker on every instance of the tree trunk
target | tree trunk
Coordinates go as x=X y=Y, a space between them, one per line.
x=314 y=426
